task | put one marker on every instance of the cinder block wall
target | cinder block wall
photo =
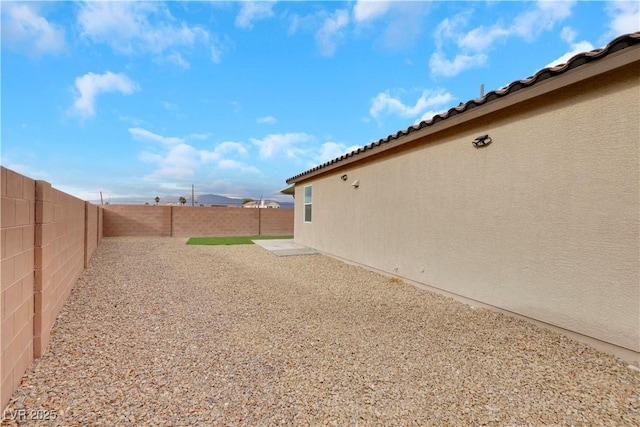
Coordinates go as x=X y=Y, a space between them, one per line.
x=47 y=238
x=92 y=231
x=276 y=222
x=190 y=221
x=60 y=256
x=17 y=228
x=137 y=220
x=100 y=224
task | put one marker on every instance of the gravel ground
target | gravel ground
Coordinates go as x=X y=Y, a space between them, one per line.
x=160 y=333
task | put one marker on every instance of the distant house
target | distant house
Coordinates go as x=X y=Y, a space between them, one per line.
x=263 y=204
x=526 y=200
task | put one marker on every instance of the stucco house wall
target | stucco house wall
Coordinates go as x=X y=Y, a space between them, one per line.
x=543 y=222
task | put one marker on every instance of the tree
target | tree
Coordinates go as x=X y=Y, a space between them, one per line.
x=157 y=199
x=182 y=200
x=245 y=201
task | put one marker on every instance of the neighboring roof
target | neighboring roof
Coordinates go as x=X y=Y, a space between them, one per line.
x=260 y=203
x=576 y=61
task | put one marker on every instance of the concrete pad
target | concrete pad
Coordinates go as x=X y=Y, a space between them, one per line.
x=284 y=247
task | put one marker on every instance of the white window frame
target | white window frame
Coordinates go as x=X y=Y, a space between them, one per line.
x=308 y=201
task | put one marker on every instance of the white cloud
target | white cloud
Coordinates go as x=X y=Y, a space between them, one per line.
x=252 y=11
x=177 y=59
x=179 y=162
x=230 y=146
x=392 y=24
x=219 y=46
x=428 y=115
x=138 y=27
x=216 y=54
x=145 y=135
x=235 y=165
x=222 y=149
x=91 y=85
x=366 y=10
x=472 y=46
x=270 y=120
x=287 y=144
x=333 y=150
x=149 y=157
x=568 y=35
x=25 y=30
x=169 y=106
x=386 y=104
x=198 y=136
x=332 y=32
x=400 y=28
x=442 y=66
x=482 y=38
x=576 y=48
x=297 y=22
x=543 y=17
x=449 y=29
x=624 y=18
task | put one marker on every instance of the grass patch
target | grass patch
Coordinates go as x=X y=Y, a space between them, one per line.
x=232 y=240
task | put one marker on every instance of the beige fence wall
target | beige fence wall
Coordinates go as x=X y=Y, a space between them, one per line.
x=60 y=253
x=47 y=239
x=275 y=222
x=189 y=221
x=92 y=230
x=17 y=228
x=129 y=220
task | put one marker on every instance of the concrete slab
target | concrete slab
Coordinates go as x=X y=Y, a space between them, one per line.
x=284 y=247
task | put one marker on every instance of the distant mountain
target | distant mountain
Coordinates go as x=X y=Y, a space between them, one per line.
x=215 y=200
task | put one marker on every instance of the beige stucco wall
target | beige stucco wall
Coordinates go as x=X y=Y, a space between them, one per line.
x=544 y=222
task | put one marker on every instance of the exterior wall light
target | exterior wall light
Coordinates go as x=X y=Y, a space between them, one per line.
x=481 y=141
x=344 y=177
x=356 y=183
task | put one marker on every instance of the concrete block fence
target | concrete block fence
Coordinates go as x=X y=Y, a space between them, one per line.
x=191 y=221
x=48 y=237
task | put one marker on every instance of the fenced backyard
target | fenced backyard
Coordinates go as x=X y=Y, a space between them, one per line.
x=48 y=238
x=157 y=332
x=148 y=330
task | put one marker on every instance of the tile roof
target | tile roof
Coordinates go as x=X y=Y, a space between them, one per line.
x=578 y=60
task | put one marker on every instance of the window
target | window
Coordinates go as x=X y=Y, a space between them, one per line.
x=307 y=203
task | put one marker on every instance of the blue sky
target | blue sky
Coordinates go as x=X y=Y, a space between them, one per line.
x=144 y=99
